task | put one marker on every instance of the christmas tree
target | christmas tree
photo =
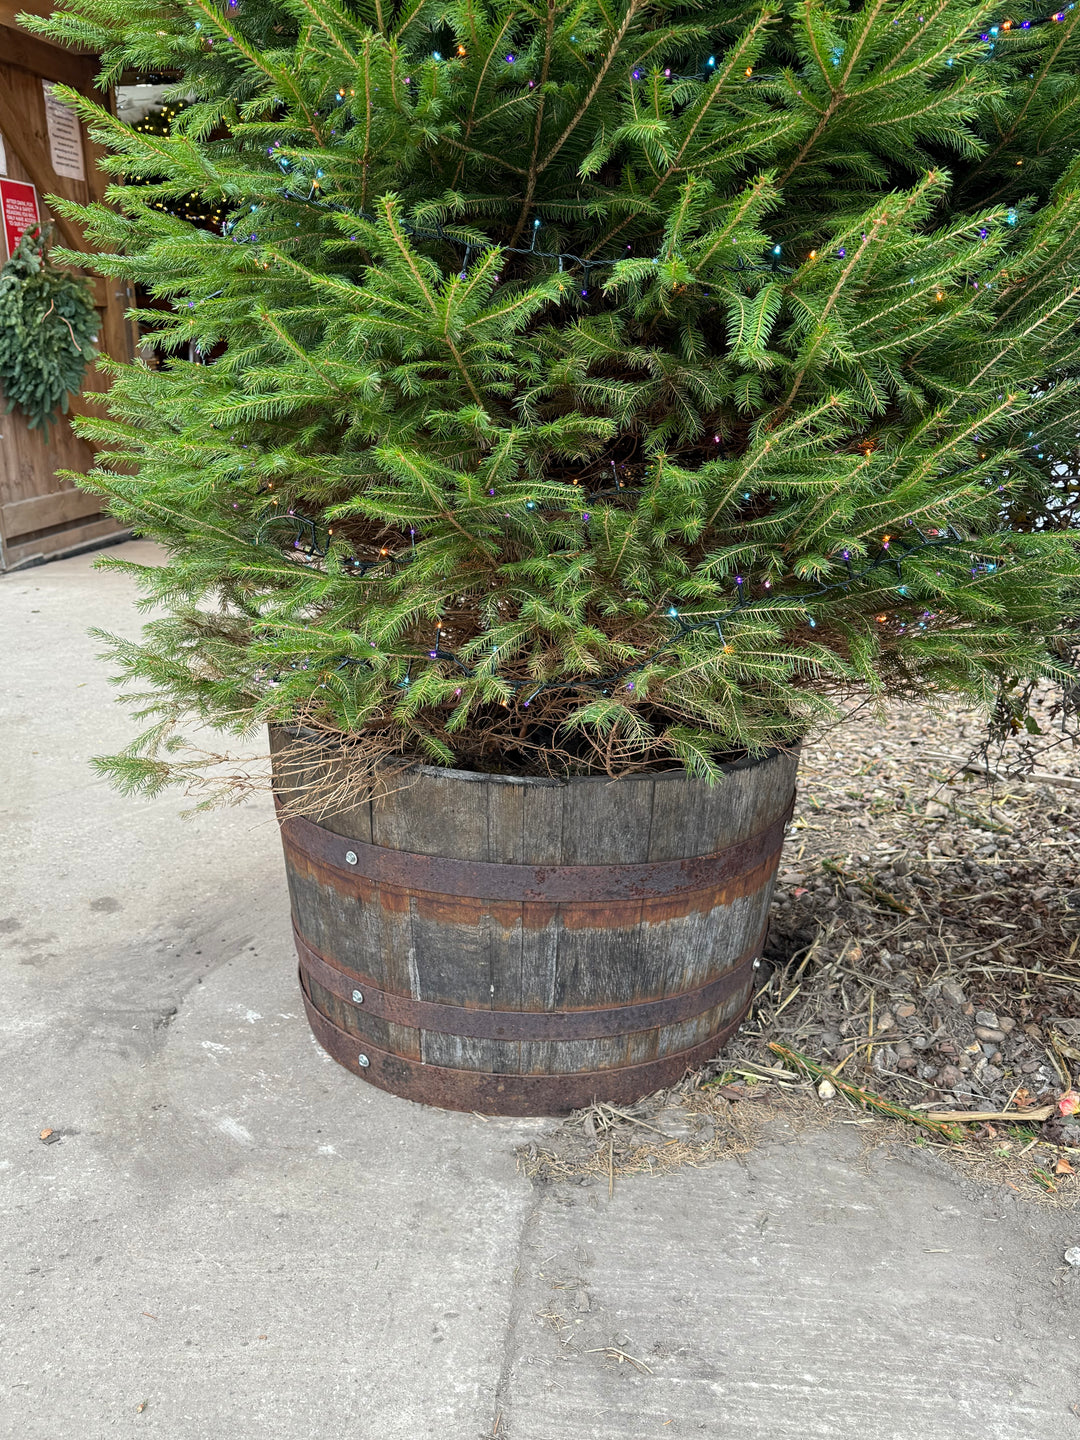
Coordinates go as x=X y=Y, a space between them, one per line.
x=596 y=387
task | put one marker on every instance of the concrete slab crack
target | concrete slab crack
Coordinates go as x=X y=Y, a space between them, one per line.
x=500 y=1427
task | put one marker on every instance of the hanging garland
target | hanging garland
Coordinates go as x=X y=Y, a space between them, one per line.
x=48 y=329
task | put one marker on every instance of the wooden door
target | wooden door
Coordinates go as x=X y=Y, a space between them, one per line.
x=42 y=516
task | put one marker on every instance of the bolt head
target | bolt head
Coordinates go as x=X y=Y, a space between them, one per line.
x=363 y=1061
x=350 y=857
x=358 y=997
x=757 y=964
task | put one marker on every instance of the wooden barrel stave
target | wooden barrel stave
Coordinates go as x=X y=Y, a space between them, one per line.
x=530 y=954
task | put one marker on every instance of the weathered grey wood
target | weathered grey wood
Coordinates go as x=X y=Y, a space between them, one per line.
x=432 y=814
x=546 y=956
x=691 y=818
x=542 y=832
x=368 y=938
x=607 y=822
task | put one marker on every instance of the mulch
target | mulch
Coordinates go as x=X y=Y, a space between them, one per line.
x=924 y=947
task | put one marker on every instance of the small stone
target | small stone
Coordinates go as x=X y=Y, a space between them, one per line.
x=1072 y=1257
x=935 y=810
x=905 y=1012
x=949 y=1077
x=920 y=1042
x=988 y=1033
x=826 y=1090
x=990 y=1074
x=953 y=991
x=987 y=1018
x=1006 y=1024
x=884 y=1022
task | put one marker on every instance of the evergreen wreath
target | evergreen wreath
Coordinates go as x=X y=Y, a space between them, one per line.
x=591 y=386
x=48 y=329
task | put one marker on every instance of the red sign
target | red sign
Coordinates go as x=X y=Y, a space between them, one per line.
x=19 y=204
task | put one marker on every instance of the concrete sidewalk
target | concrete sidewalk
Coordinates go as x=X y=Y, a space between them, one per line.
x=243 y=1236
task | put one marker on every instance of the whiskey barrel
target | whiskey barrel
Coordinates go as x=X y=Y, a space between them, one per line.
x=523 y=946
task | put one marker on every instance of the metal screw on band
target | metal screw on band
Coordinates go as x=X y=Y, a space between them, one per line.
x=363 y=1061
x=757 y=964
x=350 y=857
x=358 y=998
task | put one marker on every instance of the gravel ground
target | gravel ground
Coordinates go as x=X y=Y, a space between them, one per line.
x=923 y=947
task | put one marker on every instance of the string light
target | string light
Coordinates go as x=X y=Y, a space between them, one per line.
x=305 y=541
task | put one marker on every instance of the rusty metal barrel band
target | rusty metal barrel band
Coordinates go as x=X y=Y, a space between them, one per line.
x=591 y=1024
x=507 y=1094
x=545 y=884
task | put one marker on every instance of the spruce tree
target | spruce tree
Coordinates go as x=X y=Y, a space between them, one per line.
x=595 y=386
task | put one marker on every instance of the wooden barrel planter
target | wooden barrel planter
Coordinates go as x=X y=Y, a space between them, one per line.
x=523 y=946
